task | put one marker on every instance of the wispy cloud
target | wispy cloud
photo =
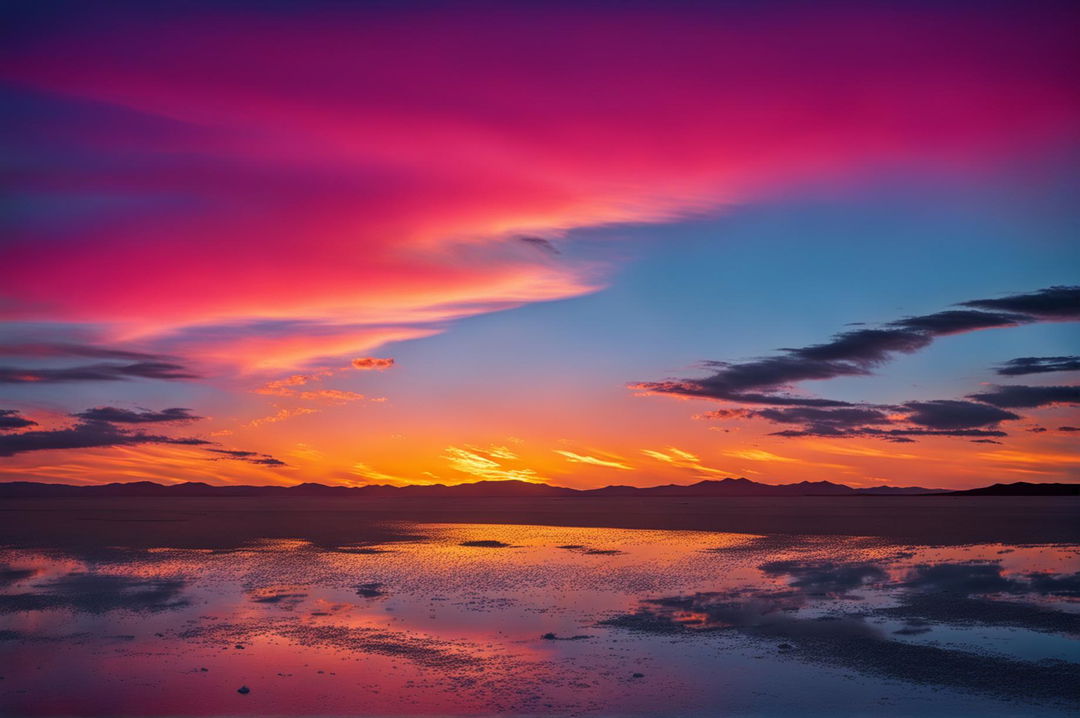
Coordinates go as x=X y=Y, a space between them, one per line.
x=684 y=460
x=487 y=464
x=609 y=463
x=279 y=416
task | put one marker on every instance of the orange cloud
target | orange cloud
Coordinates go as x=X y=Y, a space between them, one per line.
x=372 y=475
x=285 y=387
x=365 y=363
x=586 y=459
x=1029 y=457
x=282 y=415
x=683 y=460
x=854 y=450
x=487 y=464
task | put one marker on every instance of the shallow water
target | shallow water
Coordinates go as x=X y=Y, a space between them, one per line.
x=478 y=619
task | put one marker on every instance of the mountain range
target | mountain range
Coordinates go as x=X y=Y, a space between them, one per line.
x=512 y=489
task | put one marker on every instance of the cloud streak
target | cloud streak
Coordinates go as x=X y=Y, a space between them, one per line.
x=108 y=427
x=855 y=353
x=608 y=463
x=87 y=435
x=858 y=352
x=96 y=372
x=10 y=419
x=1038 y=365
x=114 y=415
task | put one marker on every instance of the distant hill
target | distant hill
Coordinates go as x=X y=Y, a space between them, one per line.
x=489 y=489
x=1022 y=488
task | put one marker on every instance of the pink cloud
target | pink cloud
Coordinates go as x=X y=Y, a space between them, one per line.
x=362 y=171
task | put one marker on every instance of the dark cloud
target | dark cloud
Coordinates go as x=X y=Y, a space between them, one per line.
x=933 y=432
x=955 y=321
x=787 y=400
x=85 y=435
x=544 y=245
x=1050 y=303
x=125 y=364
x=768 y=380
x=836 y=418
x=10 y=420
x=745 y=382
x=106 y=426
x=96 y=372
x=864 y=348
x=943 y=417
x=857 y=352
x=66 y=349
x=1028 y=397
x=817 y=421
x=115 y=415
x=954 y=414
x=1038 y=365
x=1069 y=429
x=251 y=457
x=984 y=441
x=890 y=434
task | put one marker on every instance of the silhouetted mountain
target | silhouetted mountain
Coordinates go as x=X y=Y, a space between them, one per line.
x=735 y=487
x=1022 y=488
x=492 y=489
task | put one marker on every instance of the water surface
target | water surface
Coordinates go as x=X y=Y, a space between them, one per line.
x=461 y=619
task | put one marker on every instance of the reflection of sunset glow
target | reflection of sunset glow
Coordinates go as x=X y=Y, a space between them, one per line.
x=433 y=625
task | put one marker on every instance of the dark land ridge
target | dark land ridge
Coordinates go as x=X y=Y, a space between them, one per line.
x=514 y=489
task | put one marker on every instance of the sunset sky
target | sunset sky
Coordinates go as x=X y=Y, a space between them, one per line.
x=578 y=243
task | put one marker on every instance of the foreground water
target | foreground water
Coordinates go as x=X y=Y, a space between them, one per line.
x=445 y=619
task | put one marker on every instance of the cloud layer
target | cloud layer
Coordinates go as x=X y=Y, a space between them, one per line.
x=357 y=174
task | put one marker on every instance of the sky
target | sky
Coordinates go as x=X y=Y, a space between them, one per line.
x=581 y=243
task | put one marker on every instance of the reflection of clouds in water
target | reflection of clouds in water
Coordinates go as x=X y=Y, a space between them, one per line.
x=441 y=617
x=961 y=578
x=1052 y=585
x=825 y=577
x=370 y=590
x=952 y=593
x=286 y=598
x=9 y=575
x=854 y=643
x=97 y=593
x=987 y=577
x=964 y=610
x=422 y=650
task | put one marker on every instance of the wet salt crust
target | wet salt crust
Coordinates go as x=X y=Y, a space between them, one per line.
x=478 y=619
